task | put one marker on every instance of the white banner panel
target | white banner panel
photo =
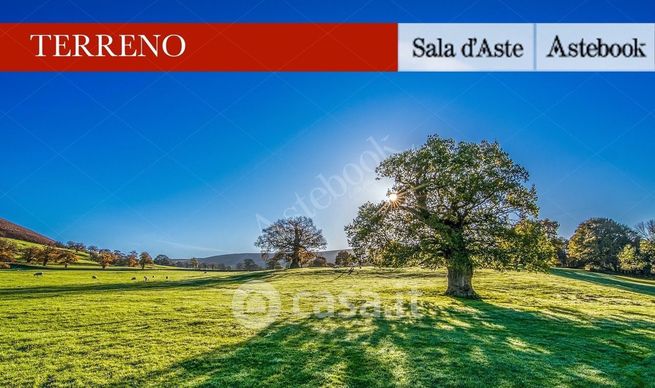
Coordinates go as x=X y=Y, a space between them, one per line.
x=595 y=47
x=465 y=47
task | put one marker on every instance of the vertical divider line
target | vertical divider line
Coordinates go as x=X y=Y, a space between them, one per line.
x=534 y=46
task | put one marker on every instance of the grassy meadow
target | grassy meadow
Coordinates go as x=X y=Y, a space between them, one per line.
x=566 y=328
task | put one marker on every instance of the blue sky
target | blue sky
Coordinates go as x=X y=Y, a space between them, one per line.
x=192 y=164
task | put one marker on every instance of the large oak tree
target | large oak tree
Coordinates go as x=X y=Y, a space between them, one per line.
x=453 y=204
x=294 y=240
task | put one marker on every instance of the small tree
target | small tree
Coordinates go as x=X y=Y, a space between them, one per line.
x=48 y=254
x=318 y=261
x=629 y=260
x=294 y=240
x=646 y=231
x=120 y=258
x=163 y=260
x=250 y=265
x=647 y=252
x=8 y=252
x=76 y=246
x=30 y=254
x=344 y=259
x=106 y=258
x=550 y=228
x=273 y=264
x=194 y=263
x=145 y=259
x=66 y=257
x=529 y=242
x=132 y=259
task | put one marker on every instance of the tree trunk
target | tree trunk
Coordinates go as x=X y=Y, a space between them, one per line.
x=460 y=268
x=294 y=263
x=459 y=282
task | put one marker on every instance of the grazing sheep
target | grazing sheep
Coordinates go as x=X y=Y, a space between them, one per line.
x=38 y=274
x=145 y=278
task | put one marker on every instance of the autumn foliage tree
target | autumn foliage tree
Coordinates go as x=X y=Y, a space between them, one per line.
x=105 y=258
x=8 y=251
x=48 y=254
x=132 y=259
x=455 y=204
x=294 y=240
x=30 y=254
x=66 y=257
x=76 y=246
x=145 y=259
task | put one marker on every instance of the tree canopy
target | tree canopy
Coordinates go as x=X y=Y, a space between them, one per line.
x=294 y=240
x=8 y=251
x=597 y=242
x=162 y=259
x=453 y=204
x=344 y=258
x=145 y=259
x=66 y=257
x=105 y=258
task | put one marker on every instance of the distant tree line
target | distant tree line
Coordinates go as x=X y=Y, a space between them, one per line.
x=43 y=255
x=602 y=244
x=72 y=252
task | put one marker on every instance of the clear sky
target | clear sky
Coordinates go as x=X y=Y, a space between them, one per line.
x=193 y=164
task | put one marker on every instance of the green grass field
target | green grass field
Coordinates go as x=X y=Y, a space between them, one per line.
x=567 y=328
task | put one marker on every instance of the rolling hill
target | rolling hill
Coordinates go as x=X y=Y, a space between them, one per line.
x=233 y=259
x=10 y=230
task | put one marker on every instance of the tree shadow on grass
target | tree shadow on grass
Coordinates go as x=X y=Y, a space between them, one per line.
x=469 y=343
x=622 y=283
x=159 y=284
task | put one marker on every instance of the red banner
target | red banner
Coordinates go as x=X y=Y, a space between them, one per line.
x=198 y=47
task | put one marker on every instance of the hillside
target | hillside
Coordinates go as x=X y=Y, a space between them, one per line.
x=233 y=259
x=10 y=230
